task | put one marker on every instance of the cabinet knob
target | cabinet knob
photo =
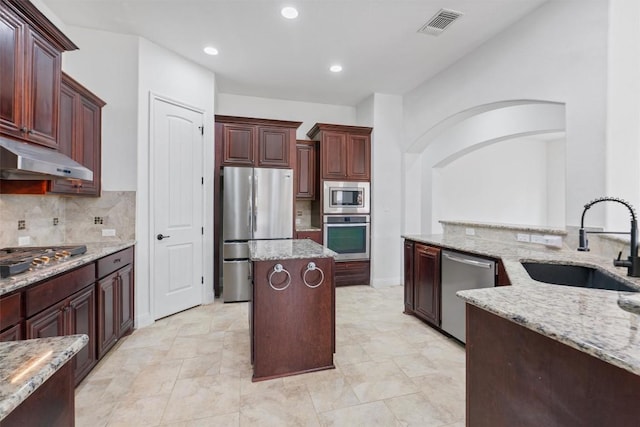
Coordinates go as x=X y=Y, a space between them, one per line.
x=23 y=129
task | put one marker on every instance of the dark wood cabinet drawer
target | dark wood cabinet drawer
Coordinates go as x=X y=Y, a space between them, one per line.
x=10 y=310
x=113 y=262
x=316 y=236
x=352 y=273
x=58 y=288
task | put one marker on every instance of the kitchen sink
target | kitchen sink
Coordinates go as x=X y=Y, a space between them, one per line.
x=575 y=275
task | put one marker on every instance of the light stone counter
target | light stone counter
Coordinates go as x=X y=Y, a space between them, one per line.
x=26 y=365
x=271 y=250
x=94 y=251
x=590 y=320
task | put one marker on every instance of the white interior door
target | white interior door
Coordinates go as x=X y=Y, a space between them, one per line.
x=177 y=191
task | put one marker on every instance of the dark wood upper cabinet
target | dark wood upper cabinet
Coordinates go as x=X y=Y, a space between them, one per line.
x=238 y=145
x=345 y=151
x=257 y=142
x=306 y=170
x=31 y=50
x=79 y=136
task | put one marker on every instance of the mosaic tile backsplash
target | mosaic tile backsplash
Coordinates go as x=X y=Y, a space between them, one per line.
x=50 y=220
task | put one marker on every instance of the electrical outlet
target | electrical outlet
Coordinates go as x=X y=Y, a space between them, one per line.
x=536 y=238
x=108 y=232
x=24 y=240
x=298 y=221
x=470 y=231
x=521 y=237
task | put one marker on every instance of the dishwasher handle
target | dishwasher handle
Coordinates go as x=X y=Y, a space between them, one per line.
x=471 y=262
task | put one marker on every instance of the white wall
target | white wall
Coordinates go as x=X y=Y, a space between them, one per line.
x=266 y=108
x=107 y=64
x=473 y=186
x=623 y=108
x=167 y=74
x=386 y=184
x=557 y=53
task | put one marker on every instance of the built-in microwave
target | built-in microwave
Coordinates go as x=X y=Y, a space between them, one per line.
x=344 y=197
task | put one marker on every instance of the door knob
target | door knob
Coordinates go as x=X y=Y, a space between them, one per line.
x=160 y=237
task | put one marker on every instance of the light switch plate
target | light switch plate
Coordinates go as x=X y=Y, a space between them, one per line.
x=522 y=237
x=108 y=232
x=470 y=231
x=24 y=240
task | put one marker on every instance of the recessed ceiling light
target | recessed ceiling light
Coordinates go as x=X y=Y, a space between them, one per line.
x=210 y=50
x=289 y=12
x=335 y=68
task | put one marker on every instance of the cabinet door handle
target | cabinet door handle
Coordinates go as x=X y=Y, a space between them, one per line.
x=117 y=260
x=23 y=129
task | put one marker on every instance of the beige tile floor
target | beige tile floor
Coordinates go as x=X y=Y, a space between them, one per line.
x=193 y=369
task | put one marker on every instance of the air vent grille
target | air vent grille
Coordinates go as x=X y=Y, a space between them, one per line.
x=440 y=22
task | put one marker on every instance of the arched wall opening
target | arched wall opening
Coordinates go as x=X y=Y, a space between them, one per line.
x=501 y=162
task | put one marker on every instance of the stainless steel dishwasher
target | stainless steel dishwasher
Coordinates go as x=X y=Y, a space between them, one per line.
x=460 y=272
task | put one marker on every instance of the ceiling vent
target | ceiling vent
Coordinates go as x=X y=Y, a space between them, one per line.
x=440 y=22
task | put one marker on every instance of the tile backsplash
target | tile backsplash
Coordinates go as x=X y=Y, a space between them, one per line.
x=49 y=220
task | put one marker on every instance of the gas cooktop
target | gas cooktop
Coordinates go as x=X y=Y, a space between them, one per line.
x=20 y=259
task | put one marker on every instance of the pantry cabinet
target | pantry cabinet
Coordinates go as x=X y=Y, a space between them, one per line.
x=31 y=50
x=259 y=143
x=345 y=151
x=80 y=129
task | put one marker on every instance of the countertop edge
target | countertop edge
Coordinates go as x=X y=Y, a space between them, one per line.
x=74 y=345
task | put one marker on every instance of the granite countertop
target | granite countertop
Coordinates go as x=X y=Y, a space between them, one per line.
x=590 y=320
x=26 y=365
x=94 y=251
x=271 y=250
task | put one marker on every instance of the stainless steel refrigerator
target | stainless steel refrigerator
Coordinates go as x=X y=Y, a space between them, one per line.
x=257 y=204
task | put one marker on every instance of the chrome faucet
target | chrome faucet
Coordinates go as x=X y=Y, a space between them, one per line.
x=633 y=262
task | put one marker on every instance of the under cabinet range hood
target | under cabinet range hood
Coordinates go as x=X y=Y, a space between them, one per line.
x=19 y=160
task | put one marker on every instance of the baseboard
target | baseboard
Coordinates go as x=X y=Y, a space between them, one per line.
x=142 y=321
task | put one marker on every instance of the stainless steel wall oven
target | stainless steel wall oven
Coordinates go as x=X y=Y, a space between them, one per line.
x=348 y=235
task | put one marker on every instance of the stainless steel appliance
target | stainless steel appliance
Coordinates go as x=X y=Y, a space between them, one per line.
x=461 y=272
x=20 y=160
x=346 y=197
x=24 y=258
x=348 y=235
x=257 y=203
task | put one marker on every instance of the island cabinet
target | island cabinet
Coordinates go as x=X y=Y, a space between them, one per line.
x=306 y=182
x=519 y=377
x=31 y=50
x=345 y=151
x=115 y=298
x=259 y=143
x=292 y=308
x=11 y=317
x=65 y=305
x=80 y=129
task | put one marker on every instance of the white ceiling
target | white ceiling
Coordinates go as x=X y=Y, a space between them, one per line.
x=263 y=54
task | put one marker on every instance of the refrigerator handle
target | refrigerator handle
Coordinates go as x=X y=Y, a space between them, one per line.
x=255 y=202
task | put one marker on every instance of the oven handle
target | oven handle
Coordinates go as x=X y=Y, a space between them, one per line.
x=351 y=224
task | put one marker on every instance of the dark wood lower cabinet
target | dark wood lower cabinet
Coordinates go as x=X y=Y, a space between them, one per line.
x=352 y=273
x=292 y=326
x=115 y=301
x=13 y=333
x=11 y=317
x=408 y=276
x=426 y=283
x=73 y=315
x=518 y=377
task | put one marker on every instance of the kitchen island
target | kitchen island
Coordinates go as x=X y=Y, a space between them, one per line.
x=545 y=354
x=292 y=308
x=36 y=381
